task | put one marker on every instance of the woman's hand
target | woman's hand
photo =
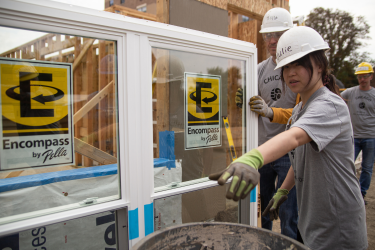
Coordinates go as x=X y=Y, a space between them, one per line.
x=245 y=178
x=245 y=175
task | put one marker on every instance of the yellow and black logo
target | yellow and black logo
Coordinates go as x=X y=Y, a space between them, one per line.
x=203 y=100
x=34 y=98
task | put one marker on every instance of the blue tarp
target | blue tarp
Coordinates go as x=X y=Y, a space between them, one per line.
x=47 y=178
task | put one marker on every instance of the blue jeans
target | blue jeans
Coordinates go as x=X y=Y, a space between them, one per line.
x=368 y=152
x=288 y=212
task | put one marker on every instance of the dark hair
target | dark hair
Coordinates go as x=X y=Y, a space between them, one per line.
x=321 y=61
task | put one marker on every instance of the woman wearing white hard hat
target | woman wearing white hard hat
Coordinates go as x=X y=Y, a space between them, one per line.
x=319 y=140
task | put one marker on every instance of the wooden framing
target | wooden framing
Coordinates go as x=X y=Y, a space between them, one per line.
x=94 y=87
x=242 y=11
x=162 y=11
x=130 y=12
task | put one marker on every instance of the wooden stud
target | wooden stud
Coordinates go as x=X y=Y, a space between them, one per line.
x=162 y=11
x=93 y=102
x=111 y=97
x=77 y=88
x=162 y=93
x=78 y=59
x=103 y=104
x=93 y=153
x=88 y=120
x=13 y=174
x=233 y=27
x=95 y=86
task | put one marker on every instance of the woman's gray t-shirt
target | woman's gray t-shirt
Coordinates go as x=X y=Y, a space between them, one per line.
x=331 y=208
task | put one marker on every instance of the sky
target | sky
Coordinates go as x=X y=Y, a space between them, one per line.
x=361 y=8
x=297 y=8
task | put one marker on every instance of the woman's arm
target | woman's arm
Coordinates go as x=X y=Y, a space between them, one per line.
x=282 y=143
x=288 y=183
x=245 y=169
x=281 y=195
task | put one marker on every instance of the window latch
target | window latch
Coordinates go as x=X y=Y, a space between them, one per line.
x=89 y=201
x=174 y=184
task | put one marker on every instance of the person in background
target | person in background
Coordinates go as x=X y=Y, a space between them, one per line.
x=361 y=104
x=332 y=214
x=271 y=104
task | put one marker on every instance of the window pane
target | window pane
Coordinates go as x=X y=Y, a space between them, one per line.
x=197 y=127
x=59 y=123
x=95 y=232
x=205 y=205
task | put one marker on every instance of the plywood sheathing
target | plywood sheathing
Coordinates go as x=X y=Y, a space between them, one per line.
x=249 y=32
x=254 y=9
x=259 y=7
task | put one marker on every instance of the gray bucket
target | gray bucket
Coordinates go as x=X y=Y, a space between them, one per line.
x=218 y=236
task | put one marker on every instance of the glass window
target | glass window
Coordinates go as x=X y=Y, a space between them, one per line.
x=197 y=127
x=142 y=8
x=110 y=2
x=59 y=123
x=245 y=18
x=206 y=205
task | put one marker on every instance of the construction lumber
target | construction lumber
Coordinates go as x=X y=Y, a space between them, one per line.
x=162 y=11
x=88 y=83
x=233 y=27
x=130 y=12
x=93 y=102
x=162 y=94
x=103 y=103
x=78 y=59
x=77 y=88
x=244 y=12
x=13 y=174
x=93 y=153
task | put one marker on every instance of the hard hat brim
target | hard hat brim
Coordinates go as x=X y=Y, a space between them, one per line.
x=273 y=29
x=296 y=56
x=363 y=72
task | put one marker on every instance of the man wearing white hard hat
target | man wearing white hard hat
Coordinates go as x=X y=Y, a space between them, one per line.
x=271 y=104
x=361 y=103
x=319 y=141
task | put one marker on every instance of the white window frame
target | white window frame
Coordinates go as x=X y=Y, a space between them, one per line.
x=134 y=38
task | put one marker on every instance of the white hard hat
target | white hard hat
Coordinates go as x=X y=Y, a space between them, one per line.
x=296 y=43
x=275 y=20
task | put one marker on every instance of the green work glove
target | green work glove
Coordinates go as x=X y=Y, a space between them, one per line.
x=275 y=203
x=239 y=97
x=259 y=106
x=245 y=175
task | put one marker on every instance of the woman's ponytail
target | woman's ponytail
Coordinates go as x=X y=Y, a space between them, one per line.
x=329 y=81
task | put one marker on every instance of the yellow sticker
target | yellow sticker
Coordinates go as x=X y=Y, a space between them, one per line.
x=34 y=95
x=37 y=118
x=203 y=99
x=202 y=111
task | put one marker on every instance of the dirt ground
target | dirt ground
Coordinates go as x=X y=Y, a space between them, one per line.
x=370 y=216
